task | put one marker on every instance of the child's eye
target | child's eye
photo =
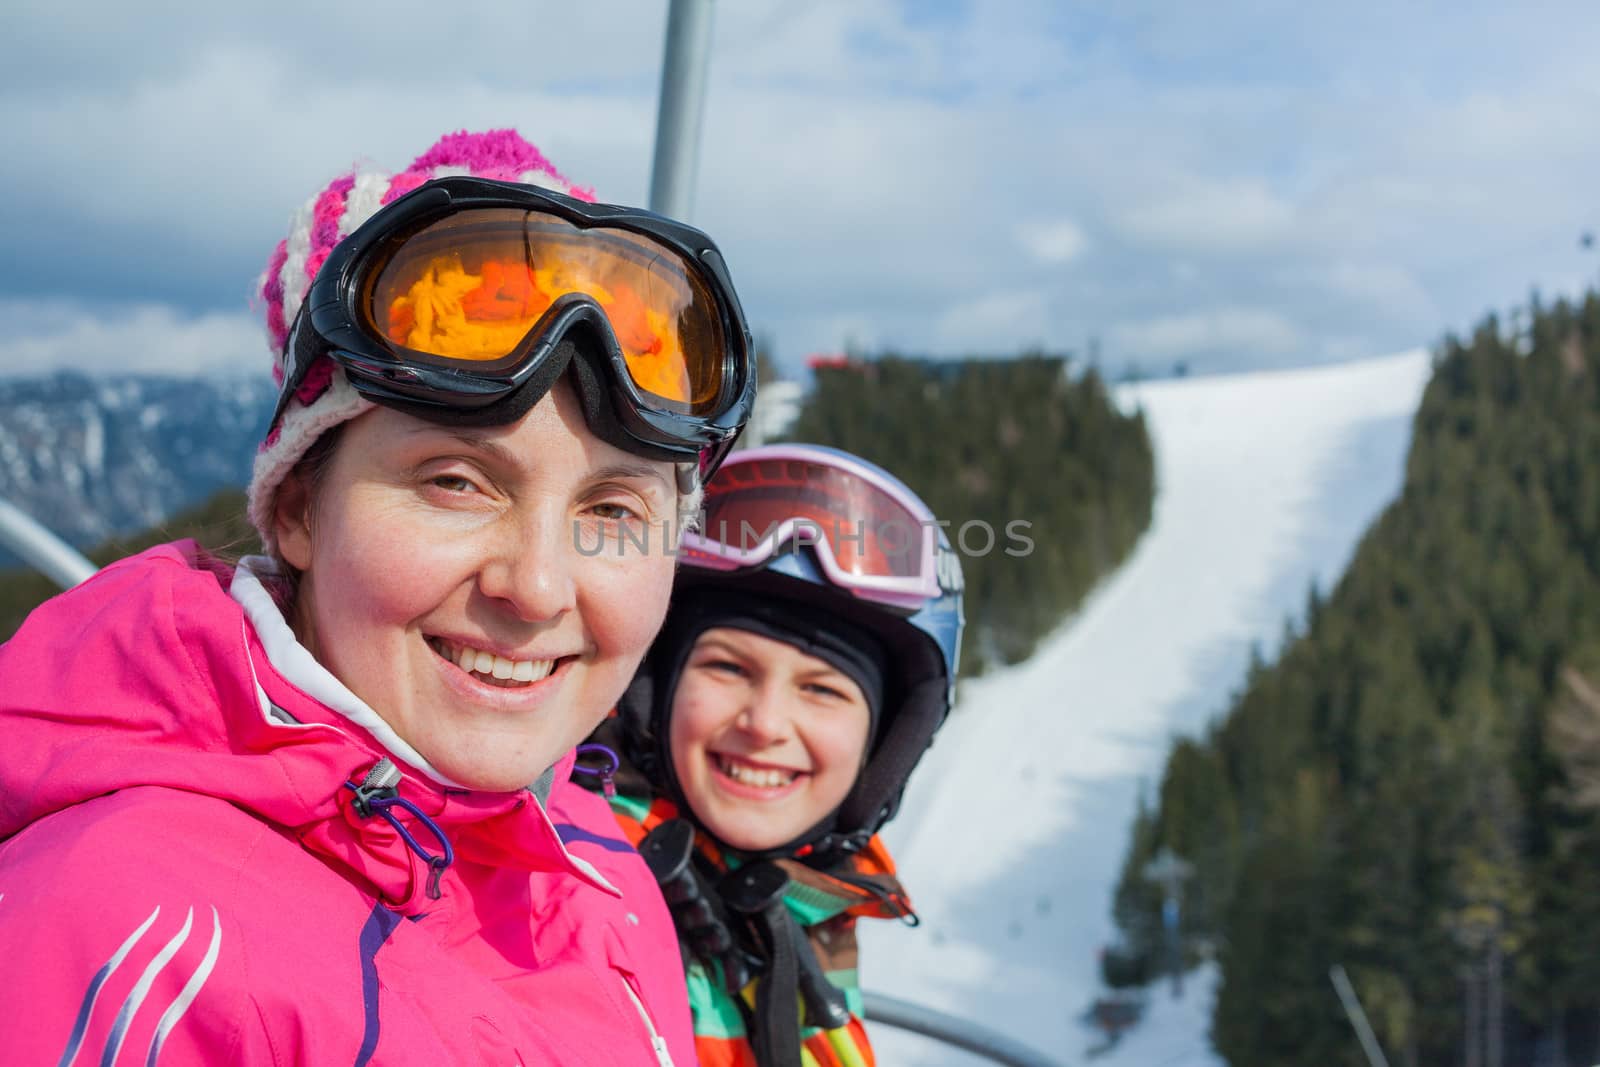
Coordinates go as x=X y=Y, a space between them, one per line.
x=826 y=691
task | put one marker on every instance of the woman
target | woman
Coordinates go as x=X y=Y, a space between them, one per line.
x=808 y=658
x=296 y=811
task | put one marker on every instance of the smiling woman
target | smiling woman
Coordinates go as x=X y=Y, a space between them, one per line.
x=223 y=787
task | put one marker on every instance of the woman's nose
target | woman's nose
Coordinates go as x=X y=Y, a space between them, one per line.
x=530 y=570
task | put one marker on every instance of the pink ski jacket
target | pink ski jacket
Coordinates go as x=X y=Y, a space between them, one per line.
x=188 y=875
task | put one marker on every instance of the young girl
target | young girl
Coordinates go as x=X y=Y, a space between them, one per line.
x=808 y=659
x=299 y=811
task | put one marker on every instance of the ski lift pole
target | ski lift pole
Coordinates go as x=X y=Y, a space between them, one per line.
x=683 y=91
x=1358 y=1017
x=41 y=549
x=962 y=1034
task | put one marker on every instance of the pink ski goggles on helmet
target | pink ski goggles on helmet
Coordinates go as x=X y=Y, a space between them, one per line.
x=870 y=534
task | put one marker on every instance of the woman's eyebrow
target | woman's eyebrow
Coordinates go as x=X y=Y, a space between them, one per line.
x=475 y=441
x=631 y=470
x=499 y=452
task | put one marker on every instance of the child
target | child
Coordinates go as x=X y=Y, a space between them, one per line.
x=806 y=662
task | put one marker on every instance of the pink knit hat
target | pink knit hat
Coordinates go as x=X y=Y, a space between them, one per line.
x=325 y=399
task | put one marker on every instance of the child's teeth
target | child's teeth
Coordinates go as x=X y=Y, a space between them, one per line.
x=502 y=668
x=761 y=779
x=523 y=671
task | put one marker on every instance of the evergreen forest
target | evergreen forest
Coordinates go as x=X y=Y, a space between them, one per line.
x=1411 y=790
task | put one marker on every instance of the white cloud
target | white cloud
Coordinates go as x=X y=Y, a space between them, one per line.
x=149 y=339
x=867 y=166
x=1210 y=216
x=1060 y=241
x=1239 y=331
x=1386 y=289
x=995 y=321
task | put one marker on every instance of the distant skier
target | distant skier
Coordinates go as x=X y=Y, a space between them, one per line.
x=806 y=662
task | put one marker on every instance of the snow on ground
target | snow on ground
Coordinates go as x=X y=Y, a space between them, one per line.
x=1013 y=831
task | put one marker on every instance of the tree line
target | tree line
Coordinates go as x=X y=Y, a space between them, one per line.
x=1411 y=789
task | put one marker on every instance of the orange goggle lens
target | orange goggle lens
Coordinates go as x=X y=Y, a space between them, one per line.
x=472 y=286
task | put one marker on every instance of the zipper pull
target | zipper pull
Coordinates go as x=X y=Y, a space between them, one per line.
x=607 y=774
x=381 y=783
x=378 y=794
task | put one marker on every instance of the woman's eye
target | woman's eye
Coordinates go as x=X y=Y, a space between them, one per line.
x=452 y=483
x=615 y=512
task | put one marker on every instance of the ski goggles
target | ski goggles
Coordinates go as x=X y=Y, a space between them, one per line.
x=871 y=535
x=452 y=303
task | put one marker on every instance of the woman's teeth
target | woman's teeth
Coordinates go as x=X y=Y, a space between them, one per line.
x=495 y=669
x=760 y=777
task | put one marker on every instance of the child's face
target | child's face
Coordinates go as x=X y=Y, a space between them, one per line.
x=765 y=739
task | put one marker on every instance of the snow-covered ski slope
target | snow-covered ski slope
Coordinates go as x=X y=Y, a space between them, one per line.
x=1013 y=830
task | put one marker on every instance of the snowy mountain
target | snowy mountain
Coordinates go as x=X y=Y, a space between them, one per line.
x=94 y=457
x=1014 y=828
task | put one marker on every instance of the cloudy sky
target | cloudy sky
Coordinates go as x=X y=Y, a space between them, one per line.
x=1235 y=184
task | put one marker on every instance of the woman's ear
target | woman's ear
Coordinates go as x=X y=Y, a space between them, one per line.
x=291 y=520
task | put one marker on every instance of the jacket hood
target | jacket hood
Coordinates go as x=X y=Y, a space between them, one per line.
x=152 y=674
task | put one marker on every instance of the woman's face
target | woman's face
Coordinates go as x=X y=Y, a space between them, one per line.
x=488 y=592
x=766 y=741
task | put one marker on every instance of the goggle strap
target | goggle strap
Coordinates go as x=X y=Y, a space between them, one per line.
x=299 y=361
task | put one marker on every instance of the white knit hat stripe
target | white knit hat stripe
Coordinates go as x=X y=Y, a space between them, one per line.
x=293 y=274
x=365 y=198
x=544 y=180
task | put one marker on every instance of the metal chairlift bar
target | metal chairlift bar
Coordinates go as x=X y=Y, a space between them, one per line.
x=980 y=1040
x=41 y=549
x=682 y=104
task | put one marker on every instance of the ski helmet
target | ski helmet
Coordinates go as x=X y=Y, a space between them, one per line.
x=812 y=540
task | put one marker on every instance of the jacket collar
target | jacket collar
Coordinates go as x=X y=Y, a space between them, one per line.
x=296 y=692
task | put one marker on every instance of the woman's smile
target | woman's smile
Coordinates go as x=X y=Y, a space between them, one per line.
x=491 y=667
